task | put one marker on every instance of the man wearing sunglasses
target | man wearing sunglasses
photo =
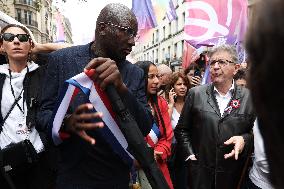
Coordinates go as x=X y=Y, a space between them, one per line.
x=88 y=161
x=214 y=129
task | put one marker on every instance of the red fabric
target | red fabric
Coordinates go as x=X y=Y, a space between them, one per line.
x=189 y=55
x=164 y=143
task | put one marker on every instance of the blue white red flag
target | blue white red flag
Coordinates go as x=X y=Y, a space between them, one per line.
x=153 y=137
x=110 y=132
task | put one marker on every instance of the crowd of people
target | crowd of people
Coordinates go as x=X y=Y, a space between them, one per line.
x=202 y=136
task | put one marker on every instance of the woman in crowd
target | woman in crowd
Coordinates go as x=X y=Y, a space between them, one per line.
x=193 y=74
x=159 y=108
x=179 y=86
x=20 y=87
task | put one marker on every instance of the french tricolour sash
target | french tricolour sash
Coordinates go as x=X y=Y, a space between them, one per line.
x=110 y=132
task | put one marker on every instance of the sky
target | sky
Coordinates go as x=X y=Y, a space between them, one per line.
x=83 y=16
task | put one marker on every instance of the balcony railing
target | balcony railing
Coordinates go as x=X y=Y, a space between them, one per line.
x=28 y=23
x=26 y=2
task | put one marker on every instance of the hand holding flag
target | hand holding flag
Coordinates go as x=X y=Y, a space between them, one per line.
x=105 y=72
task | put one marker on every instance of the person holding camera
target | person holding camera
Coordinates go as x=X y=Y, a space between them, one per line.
x=24 y=162
x=193 y=74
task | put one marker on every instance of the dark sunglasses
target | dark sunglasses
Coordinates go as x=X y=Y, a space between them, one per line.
x=10 y=37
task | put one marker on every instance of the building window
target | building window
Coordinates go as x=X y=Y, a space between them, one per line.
x=183 y=18
x=176 y=24
x=169 y=53
x=157 y=35
x=30 y=2
x=29 y=17
x=18 y=15
x=157 y=54
x=164 y=32
x=170 y=28
x=25 y=17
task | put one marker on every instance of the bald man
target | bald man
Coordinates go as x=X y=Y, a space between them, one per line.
x=88 y=160
x=164 y=74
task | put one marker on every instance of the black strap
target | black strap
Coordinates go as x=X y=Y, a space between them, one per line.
x=13 y=92
x=12 y=107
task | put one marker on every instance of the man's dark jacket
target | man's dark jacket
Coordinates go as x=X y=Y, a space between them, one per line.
x=202 y=131
x=82 y=164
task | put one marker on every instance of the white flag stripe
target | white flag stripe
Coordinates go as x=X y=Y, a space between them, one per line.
x=59 y=116
x=153 y=136
x=83 y=80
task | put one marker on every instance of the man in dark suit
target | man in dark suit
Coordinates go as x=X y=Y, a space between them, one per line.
x=84 y=165
x=214 y=130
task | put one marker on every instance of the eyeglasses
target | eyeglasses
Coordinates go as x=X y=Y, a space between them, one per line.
x=221 y=63
x=10 y=37
x=129 y=31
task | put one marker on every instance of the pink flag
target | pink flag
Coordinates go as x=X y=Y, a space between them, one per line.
x=60 y=35
x=213 y=22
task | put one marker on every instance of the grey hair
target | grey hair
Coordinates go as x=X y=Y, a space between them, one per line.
x=226 y=48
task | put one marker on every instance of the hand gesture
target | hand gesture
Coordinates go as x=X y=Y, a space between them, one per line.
x=172 y=94
x=105 y=72
x=239 y=143
x=195 y=81
x=79 y=122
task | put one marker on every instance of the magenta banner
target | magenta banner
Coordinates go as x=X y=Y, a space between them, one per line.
x=213 y=22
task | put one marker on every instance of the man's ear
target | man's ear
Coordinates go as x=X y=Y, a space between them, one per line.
x=237 y=67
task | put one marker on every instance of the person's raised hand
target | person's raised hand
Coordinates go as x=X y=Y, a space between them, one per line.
x=80 y=121
x=195 y=80
x=172 y=94
x=105 y=72
x=239 y=144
